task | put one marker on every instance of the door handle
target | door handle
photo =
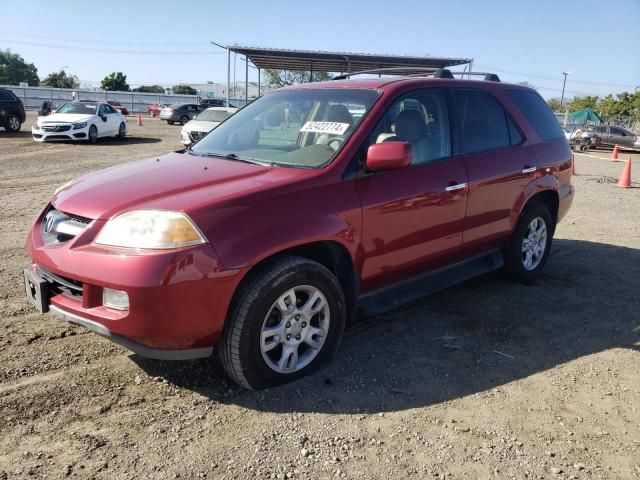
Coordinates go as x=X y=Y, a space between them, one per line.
x=457 y=186
x=527 y=169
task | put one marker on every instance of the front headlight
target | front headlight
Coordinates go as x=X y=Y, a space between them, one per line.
x=79 y=125
x=150 y=229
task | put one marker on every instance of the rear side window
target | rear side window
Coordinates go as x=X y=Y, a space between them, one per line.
x=481 y=121
x=538 y=113
x=5 y=95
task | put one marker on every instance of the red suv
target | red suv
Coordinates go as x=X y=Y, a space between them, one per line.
x=266 y=235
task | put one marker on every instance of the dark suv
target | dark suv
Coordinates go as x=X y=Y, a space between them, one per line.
x=12 y=114
x=266 y=235
x=214 y=102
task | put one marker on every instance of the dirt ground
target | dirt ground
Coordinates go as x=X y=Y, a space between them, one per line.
x=484 y=380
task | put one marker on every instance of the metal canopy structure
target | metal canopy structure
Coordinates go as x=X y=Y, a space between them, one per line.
x=338 y=62
x=318 y=61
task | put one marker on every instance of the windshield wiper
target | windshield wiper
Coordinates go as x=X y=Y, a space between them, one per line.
x=233 y=156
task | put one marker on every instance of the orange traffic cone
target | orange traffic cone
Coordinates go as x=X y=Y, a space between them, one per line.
x=625 y=177
x=139 y=120
x=573 y=165
x=614 y=155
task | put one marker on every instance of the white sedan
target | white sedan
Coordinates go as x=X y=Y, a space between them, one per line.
x=80 y=121
x=204 y=122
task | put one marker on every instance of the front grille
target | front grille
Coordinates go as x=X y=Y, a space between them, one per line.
x=62 y=285
x=60 y=227
x=57 y=137
x=56 y=128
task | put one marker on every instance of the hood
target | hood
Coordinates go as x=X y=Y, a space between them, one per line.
x=200 y=126
x=176 y=181
x=65 y=117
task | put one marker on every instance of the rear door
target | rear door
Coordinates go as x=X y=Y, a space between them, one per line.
x=498 y=165
x=413 y=217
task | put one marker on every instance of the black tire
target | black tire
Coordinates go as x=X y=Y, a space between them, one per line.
x=184 y=119
x=240 y=351
x=122 y=131
x=12 y=123
x=93 y=134
x=170 y=122
x=513 y=253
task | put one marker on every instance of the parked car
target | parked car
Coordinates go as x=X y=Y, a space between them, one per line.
x=155 y=108
x=179 y=112
x=204 y=122
x=118 y=106
x=80 y=121
x=265 y=245
x=215 y=102
x=12 y=114
x=611 y=135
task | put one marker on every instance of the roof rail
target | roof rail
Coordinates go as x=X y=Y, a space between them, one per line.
x=424 y=72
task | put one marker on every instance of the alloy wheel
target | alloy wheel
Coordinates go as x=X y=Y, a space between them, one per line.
x=295 y=329
x=534 y=243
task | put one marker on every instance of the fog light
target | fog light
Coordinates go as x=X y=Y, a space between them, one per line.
x=115 y=299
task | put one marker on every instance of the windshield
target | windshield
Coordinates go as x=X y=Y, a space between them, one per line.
x=85 y=108
x=302 y=128
x=176 y=105
x=214 y=115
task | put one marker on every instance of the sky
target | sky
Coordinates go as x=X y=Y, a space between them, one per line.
x=168 y=42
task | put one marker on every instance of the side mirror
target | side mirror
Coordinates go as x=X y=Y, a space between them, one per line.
x=388 y=156
x=103 y=117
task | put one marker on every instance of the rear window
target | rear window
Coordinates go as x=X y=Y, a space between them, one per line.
x=538 y=113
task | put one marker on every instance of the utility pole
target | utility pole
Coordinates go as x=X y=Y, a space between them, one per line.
x=564 y=84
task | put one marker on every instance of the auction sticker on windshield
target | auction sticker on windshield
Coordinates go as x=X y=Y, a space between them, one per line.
x=325 y=127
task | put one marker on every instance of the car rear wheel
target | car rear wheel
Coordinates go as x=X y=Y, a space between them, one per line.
x=184 y=119
x=170 y=122
x=122 y=131
x=93 y=134
x=13 y=124
x=530 y=244
x=287 y=320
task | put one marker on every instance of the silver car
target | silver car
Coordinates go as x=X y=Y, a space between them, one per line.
x=204 y=123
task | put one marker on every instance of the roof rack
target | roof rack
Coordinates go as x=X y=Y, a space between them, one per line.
x=423 y=72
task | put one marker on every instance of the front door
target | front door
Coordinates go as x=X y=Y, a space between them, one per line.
x=413 y=218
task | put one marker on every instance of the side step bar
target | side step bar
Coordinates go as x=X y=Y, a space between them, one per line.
x=382 y=301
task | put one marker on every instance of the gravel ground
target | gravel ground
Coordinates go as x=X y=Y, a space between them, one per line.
x=484 y=380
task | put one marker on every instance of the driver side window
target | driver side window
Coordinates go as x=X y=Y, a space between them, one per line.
x=421 y=119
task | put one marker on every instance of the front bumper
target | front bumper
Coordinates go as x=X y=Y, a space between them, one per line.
x=178 y=299
x=40 y=135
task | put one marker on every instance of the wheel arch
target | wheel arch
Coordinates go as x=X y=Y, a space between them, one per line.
x=331 y=254
x=549 y=198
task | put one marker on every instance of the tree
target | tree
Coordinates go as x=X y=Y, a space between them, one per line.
x=115 y=81
x=13 y=69
x=282 y=78
x=527 y=84
x=61 y=79
x=578 y=103
x=184 y=90
x=149 y=89
x=554 y=104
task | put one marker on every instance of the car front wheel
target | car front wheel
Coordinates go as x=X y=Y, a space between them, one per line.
x=13 y=124
x=286 y=322
x=530 y=244
x=122 y=131
x=93 y=134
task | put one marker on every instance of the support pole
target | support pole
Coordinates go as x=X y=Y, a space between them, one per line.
x=228 y=75
x=259 y=85
x=311 y=71
x=246 y=80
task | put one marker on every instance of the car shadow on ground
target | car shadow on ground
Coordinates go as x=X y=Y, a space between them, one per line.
x=468 y=339
x=127 y=141
x=20 y=134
